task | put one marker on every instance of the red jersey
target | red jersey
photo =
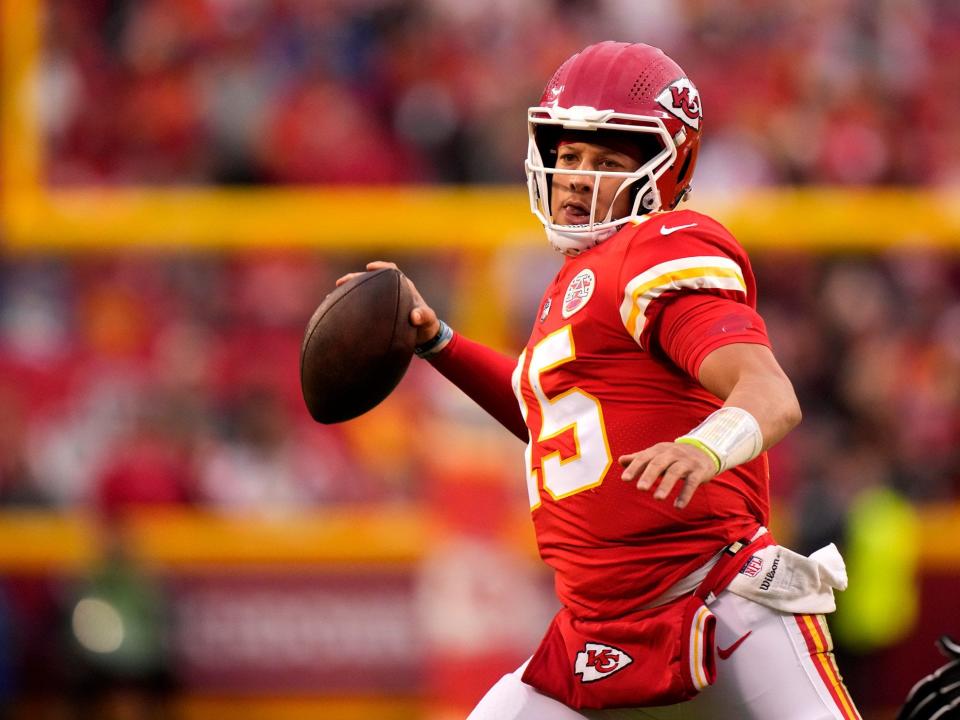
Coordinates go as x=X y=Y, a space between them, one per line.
x=594 y=384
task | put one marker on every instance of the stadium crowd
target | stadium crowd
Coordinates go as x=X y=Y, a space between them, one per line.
x=171 y=378
x=174 y=379
x=381 y=91
x=108 y=359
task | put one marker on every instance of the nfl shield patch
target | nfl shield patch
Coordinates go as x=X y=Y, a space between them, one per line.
x=546 y=309
x=752 y=567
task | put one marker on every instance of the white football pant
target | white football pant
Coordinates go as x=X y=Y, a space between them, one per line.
x=779 y=671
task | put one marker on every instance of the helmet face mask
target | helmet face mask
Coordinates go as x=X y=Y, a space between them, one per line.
x=640 y=183
x=636 y=94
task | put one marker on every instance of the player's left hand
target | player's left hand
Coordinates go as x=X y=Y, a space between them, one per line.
x=422 y=316
x=669 y=463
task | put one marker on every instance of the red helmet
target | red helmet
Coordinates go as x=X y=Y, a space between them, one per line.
x=641 y=95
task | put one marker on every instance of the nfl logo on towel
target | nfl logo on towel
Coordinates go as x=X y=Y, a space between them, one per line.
x=752 y=567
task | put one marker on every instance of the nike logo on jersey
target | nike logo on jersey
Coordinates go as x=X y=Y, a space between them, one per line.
x=664 y=230
x=724 y=653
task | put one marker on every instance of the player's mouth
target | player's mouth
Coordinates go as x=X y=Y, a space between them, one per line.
x=573 y=212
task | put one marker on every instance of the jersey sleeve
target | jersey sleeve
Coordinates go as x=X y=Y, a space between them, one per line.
x=707 y=262
x=486 y=377
x=692 y=326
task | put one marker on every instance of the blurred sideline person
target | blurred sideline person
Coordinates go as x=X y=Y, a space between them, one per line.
x=647 y=393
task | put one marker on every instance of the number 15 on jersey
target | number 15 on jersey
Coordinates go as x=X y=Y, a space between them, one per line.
x=572 y=410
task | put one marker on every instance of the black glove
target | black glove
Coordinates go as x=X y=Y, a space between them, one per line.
x=937 y=696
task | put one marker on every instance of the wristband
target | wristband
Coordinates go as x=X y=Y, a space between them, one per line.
x=437 y=343
x=730 y=436
x=697 y=444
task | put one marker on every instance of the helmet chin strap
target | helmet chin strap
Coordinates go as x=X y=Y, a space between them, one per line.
x=572 y=243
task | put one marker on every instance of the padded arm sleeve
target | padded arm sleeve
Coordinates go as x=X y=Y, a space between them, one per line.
x=486 y=377
x=693 y=326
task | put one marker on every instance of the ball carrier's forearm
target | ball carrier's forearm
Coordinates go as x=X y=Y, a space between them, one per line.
x=749 y=377
x=759 y=408
x=775 y=411
x=483 y=374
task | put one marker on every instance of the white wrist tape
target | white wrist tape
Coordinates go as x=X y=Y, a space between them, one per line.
x=731 y=435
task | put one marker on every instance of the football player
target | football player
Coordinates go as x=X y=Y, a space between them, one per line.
x=648 y=395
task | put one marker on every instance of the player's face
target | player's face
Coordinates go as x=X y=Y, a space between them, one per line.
x=571 y=195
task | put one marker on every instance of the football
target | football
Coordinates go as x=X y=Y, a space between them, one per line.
x=357 y=346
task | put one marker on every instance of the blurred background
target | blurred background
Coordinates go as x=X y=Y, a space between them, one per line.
x=181 y=181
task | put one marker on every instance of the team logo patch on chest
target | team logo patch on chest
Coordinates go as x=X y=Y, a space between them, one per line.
x=578 y=292
x=596 y=662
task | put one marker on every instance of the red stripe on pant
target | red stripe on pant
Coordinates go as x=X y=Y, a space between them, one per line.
x=820 y=646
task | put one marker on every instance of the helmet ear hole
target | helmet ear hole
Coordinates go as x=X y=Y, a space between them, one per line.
x=649 y=200
x=684 y=168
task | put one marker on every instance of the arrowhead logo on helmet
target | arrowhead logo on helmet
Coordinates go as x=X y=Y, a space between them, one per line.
x=682 y=99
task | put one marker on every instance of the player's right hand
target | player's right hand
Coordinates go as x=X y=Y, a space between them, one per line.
x=667 y=465
x=422 y=316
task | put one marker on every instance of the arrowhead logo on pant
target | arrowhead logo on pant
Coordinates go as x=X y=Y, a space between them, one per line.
x=596 y=661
